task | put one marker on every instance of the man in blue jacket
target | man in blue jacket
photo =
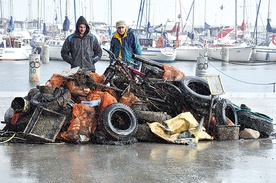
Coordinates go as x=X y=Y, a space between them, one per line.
x=124 y=44
x=81 y=48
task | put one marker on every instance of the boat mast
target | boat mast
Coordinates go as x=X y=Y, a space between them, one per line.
x=92 y=11
x=11 y=7
x=66 y=8
x=243 y=19
x=38 y=18
x=193 y=20
x=29 y=5
x=110 y=13
x=75 y=16
x=256 y=22
x=140 y=15
x=236 y=25
x=268 y=19
x=1 y=9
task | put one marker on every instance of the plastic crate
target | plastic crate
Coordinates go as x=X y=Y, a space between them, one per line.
x=44 y=125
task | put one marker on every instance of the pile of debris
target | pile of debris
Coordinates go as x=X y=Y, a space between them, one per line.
x=77 y=107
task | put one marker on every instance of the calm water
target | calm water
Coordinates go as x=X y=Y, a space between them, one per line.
x=236 y=77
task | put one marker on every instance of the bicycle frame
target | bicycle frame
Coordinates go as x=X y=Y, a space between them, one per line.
x=160 y=95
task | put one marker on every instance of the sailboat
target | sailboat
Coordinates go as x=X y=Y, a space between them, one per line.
x=158 y=50
x=188 y=51
x=55 y=44
x=238 y=52
x=268 y=52
x=13 y=47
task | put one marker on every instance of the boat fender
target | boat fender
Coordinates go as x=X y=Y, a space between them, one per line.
x=160 y=42
x=273 y=39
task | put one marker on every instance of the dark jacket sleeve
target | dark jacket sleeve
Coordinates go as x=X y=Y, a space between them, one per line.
x=65 y=52
x=137 y=47
x=97 y=51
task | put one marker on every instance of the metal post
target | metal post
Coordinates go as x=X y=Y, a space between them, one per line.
x=45 y=54
x=201 y=66
x=199 y=130
x=225 y=54
x=34 y=67
x=210 y=113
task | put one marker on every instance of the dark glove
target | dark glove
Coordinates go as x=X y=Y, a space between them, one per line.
x=95 y=59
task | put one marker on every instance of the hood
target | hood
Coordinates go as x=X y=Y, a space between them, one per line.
x=82 y=20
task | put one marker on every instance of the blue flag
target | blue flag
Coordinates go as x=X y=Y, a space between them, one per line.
x=206 y=26
x=268 y=26
x=10 y=25
x=109 y=31
x=191 y=35
x=44 y=29
x=66 y=24
x=56 y=18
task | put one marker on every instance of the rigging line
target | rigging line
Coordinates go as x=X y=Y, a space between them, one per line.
x=252 y=63
x=239 y=79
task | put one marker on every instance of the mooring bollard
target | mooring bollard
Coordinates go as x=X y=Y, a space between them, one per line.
x=45 y=54
x=34 y=67
x=225 y=54
x=201 y=66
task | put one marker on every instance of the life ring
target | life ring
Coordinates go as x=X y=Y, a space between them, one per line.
x=160 y=42
x=273 y=39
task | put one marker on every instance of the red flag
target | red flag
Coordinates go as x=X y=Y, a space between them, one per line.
x=243 y=26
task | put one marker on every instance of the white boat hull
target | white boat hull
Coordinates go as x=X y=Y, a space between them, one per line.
x=55 y=46
x=54 y=52
x=264 y=53
x=105 y=55
x=236 y=54
x=15 y=53
x=189 y=53
x=160 y=54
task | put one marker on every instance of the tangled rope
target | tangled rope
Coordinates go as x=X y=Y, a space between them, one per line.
x=267 y=118
x=7 y=140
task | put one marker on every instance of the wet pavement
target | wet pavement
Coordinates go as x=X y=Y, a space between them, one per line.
x=208 y=161
x=217 y=161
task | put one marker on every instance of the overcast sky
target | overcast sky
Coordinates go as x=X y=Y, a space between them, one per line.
x=217 y=12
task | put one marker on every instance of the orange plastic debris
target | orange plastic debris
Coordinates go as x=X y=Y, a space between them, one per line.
x=56 y=80
x=229 y=122
x=77 y=90
x=105 y=97
x=129 y=99
x=171 y=73
x=15 y=117
x=82 y=125
x=97 y=78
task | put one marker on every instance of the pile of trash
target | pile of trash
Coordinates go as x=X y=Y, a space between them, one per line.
x=77 y=107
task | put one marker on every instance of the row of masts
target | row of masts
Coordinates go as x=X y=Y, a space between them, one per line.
x=38 y=9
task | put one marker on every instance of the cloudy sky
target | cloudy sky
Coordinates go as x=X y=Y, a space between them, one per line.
x=214 y=12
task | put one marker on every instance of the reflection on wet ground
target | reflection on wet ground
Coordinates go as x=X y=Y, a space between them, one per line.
x=212 y=161
x=215 y=161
